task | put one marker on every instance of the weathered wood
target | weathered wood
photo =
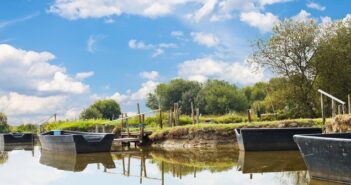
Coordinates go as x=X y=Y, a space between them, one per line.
x=192 y=113
x=172 y=120
x=343 y=109
x=142 y=128
x=249 y=115
x=339 y=109
x=127 y=124
x=138 y=107
x=349 y=103
x=331 y=96
x=197 y=115
x=322 y=109
x=160 y=119
x=333 y=108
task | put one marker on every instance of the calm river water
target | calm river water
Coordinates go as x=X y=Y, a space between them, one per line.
x=27 y=165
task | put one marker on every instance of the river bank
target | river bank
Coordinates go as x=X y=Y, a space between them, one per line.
x=216 y=135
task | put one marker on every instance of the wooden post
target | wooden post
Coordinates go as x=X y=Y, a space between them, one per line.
x=169 y=124
x=121 y=122
x=349 y=103
x=339 y=109
x=127 y=124
x=161 y=124
x=172 y=120
x=249 y=115
x=176 y=116
x=142 y=128
x=192 y=113
x=96 y=128
x=343 y=109
x=333 y=108
x=103 y=128
x=138 y=107
x=322 y=109
x=197 y=115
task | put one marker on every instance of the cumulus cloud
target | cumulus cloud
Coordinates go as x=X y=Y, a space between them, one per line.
x=32 y=87
x=269 y=2
x=203 y=69
x=263 y=21
x=152 y=75
x=316 y=6
x=158 y=49
x=206 y=39
x=206 y=9
x=302 y=16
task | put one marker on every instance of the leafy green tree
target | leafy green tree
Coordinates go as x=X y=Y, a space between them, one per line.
x=219 y=97
x=105 y=109
x=290 y=52
x=4 y=127
x=176 y=91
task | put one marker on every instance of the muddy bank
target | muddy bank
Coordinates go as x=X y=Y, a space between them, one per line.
x=211 y=135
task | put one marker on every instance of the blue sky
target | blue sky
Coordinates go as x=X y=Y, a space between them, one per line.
x=59 y=56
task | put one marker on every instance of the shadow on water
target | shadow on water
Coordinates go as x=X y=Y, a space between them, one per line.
x=6 y=148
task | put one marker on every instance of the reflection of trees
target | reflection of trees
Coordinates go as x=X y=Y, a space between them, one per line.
x=3 y=157
x=294 y=178
x=190 y=161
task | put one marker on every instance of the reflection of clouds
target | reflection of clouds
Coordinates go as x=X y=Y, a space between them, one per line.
x=22 y=169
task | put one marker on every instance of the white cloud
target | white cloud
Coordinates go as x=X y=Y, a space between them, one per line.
x=84 y=75
x=206 y=39
x=316 y=6
x=18 y=20
x=152 y=75
x=203 y=69
x=263 y=21
x=302 y=16
x=177 y=34
x=270 y=2
x=91 y=42
x=63 y=83
x=158 y=49
x=205 y=10
x=15 y=104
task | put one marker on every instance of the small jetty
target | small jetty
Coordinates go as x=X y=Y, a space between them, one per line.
x=270 y=139
x=16 y=138
x=76 y=142
x=327 y=156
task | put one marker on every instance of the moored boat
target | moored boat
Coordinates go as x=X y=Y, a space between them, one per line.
x=327 y=156
x=270 y=139
x=76 y=142
x=15 y=138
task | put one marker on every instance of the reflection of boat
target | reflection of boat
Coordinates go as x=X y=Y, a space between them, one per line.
x=327 y=156
x=270 y=139
x=76 y=142
x=16 y=138
x=75 y=162
x=26 y=147
x=276 y=161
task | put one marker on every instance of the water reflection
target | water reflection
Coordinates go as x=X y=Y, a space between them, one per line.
x=277 y=161
x=149 y=166
x=76 y=162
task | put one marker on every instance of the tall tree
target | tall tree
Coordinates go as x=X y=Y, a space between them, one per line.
x=106 y=109
x=290 y=52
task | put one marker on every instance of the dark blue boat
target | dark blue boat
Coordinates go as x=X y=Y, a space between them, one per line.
x=327 y=156
x=76 y=142
x=270 y=139
x=16 y=138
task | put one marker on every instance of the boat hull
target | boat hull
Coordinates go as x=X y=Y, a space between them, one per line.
x=270 y=139
x=76 y=142
x=327 y=156
x=16 y=138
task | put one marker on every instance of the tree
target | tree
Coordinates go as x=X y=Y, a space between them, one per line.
x=290 y=53
x=106 y=109
x=176 y=91
x=4 y=127
x=219 y=97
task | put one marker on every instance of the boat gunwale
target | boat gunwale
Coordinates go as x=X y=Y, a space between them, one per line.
x=328 y=137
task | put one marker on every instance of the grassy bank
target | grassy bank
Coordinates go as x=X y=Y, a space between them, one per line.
x=227 y=129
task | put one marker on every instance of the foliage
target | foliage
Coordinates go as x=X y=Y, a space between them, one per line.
x=219 y=97
x=25 y=128
x=290 y=52
x=102 y=109
x=4 y=127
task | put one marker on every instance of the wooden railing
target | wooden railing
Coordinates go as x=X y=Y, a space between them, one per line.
x=341 y=106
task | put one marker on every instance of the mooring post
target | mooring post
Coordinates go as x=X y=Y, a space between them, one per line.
x=322 y=109
x=333 y=108
x=142 y=128
x=138 y=108
x=339 y=109
x=343 y=109
x=103 y=128
x=192 y=113
x=96 y=128
x=349 y=103
x=249 y=115
x=161 y=124
x=127 y=124
x=197 y=115
x=172 y=121
x=121 y=122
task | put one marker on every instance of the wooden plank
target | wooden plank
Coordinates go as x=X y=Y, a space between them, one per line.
x=330 y=96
